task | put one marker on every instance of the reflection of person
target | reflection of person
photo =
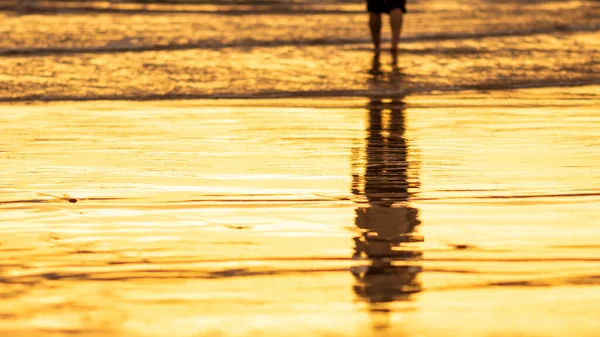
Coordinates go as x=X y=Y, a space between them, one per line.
x=395 y=8
x=386 y=221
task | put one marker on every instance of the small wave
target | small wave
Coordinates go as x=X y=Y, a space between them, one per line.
x=212 y=9
x=24 y=201
x=516 y=259
x=159 y=273
x=371 y=93
x=521 y=196
x=126 y=46
x=240 y=200
x=576 y=246
x=53 y=199
x=580 y=280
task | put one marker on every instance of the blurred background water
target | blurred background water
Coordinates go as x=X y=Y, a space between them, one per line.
x=289 y=49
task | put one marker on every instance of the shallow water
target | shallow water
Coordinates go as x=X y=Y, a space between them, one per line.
x=438 y=215
x=297 y=49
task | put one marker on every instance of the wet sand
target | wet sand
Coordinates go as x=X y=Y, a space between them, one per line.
x=470 y=214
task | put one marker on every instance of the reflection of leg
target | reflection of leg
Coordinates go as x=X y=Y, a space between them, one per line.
x=375 y=27
x=396 y=25
x=375 y=65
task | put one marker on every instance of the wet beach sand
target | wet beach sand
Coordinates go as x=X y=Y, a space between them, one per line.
x=476 y=212
x=162 y=176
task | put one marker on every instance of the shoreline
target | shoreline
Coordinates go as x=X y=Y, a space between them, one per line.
x=319 y=99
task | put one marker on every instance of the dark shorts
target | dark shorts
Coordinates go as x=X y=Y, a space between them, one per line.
x=385 y=6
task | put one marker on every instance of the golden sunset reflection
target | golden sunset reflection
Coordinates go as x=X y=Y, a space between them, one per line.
x=173 y=226
x=270 y=168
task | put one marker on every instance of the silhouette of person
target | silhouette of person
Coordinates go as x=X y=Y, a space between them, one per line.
x=383 y=215
x=396 y=10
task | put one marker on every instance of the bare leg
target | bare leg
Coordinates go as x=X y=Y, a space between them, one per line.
x=375 y=27
x=396 y=20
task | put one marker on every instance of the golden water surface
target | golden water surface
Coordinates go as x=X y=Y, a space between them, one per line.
x=472 y=214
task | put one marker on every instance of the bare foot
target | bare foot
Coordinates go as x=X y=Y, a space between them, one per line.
x=394 y=53
x=376 y=64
